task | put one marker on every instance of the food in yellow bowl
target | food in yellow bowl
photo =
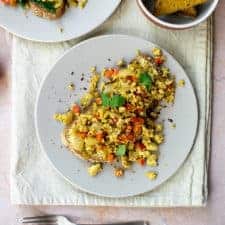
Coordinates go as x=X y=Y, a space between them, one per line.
x=116 y=120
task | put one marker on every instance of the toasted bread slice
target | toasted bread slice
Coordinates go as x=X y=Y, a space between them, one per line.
x=77 y=146
x=40 y=11
x=166 y=7
x=190 y=12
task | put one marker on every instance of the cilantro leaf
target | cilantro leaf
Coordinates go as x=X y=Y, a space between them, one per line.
x=48 y=5
x=105 y=99
x=114 y=101
x=145 y=80
x=121 y=150
x=117 y=101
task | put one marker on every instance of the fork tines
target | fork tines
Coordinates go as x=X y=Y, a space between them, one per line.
x=45 y=220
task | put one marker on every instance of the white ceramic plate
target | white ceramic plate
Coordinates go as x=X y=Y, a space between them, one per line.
x=75 y=22
x=54 y=97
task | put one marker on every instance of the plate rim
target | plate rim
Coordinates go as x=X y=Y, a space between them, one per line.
x=64 y=39
x=45 y=152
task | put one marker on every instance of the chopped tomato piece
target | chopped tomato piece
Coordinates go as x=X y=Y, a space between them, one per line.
x=137 y=128
x=130 y=137
x=124 y=138
x=98 y=101
x=140 y=146
x=141 y=161
x=159 y=60
x=76 y=109
x=110 y=157
x=109 y=73
x=138 y=120
x=99 y=136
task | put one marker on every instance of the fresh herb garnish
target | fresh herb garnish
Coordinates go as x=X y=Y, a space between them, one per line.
x=105 y=99
x=121 y=150
x=117 y=101
x=114 y=101
x=49 y=6
x=145 y=80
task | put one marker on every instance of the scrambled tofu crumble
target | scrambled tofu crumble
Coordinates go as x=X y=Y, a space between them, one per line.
x=151 y=175
x=116 y=120
x=181 y=83
x=71 y=87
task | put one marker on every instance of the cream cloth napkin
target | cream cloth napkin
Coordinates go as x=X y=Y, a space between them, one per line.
x=34 y=181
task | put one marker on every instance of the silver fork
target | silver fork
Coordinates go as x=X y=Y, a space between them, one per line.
x=62 y=220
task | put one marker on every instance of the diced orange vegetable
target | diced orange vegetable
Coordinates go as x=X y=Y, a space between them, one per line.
x=110 y=157
x=122 y=138
x=76 y=109
x=99 y=136
x=130 y=137
x=141 y=161
x=137 y=120
x=109 y=73
x=137 y=129
x=140 y=146
x=98 y=101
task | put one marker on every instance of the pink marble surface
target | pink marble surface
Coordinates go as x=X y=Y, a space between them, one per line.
x=213 y=214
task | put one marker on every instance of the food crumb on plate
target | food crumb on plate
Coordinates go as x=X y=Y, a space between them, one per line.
x=93 y=69
x=151 y=175
x=181 y=83
x=152 y=160
x=71 y=87
x=173 y=125
x=157 y=52
x=118 y=172
x=94 y=169
x=65 y=118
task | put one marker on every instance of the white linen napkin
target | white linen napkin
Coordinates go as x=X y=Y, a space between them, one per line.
x=35 y=182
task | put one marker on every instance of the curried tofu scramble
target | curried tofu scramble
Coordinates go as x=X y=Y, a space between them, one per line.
x=48 y=9
x=116 y=120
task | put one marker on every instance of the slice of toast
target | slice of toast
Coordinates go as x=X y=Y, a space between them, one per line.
x=40 y=11
x=165 y=7
x=190 y=12
x=76 y=146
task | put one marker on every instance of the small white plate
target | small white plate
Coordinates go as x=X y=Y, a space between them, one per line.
x=54 y=97
x=75 y=22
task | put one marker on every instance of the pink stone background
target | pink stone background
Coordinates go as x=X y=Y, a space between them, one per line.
x=213 y=214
